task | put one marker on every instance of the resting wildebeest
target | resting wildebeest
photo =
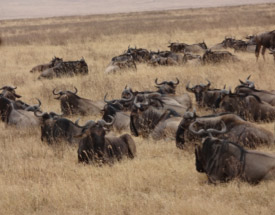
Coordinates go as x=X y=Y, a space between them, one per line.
x=73 y=104
x=165 y=58
x=19 y=118
x=121 y=62
x=189 y=58
x=139 y=55
x=96 y=146
x=66 y=68
x=238 y=130
x=237 y=45
x=218 y=57
x=205 y=97
x=185 y=48
x=264 y=40
x=248 y=106
x=223 y=160
x=167 y=87
x=42 y=67
x=147 y=120
x=9 y=93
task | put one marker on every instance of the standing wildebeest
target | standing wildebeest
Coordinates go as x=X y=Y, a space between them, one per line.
x=185 y=48
x=73 y=104
x=96 y=146
x=66 y=68
x=9 y=93
x=42 y=67
x=248 y=106
x=265 y=41
x=238 y=130
x=218 y=57
x=223 y=160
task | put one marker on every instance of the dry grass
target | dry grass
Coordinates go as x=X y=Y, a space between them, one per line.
x=40 y=179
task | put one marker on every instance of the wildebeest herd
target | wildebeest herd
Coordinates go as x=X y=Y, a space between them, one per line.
x=161 y=113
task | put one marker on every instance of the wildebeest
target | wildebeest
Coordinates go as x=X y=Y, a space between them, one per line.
x=263 y=41
x=66 y=68
x=205 y=97
x=139 y=54
x=73 y=104
x=9 y=93
x=237 y=45
x=248 y=106
x=165 y=58
x=218 y=57
x=238 y=130
x=97 y=147
x=166 y=87
x=185 y=48
x=121 y=62
x=19 y=118
x=147 y=120
x=223 y=160
x=189 y=58
x=42 y=67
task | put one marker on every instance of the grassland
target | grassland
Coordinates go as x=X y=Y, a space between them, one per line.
x=39 y=179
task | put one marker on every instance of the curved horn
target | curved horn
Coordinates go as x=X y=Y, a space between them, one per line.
x=35 y=113
x=77 y=121
x=192 y=129
x=75 y=91
x=209 y=83
x=248 y=77
x=176 y=83
x=108 y=102
x=215 y=131
x=127 y=100
x=39 y=103
x=103 y=122
x=156 y=82
x=58 y=93
x=188 y=88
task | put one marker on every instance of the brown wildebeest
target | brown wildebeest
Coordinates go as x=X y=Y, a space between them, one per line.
x=223 y=160
x=96 y=146
x=263 y=41
x=218 y=57
x=9 y=93
x=42 y=67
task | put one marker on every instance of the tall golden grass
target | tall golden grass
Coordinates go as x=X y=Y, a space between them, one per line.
x=39 y=179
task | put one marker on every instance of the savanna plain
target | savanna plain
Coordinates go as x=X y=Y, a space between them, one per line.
x=36 y=178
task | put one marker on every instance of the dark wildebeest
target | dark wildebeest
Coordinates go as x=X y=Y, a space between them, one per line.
x=185 y=48
x=96 y=146
x=73 y=104
x=66 y=68
x=248 y=87
x=248 y=106
x=19 y=118
x=237 y=45
x=139 y=55
x=238 y=130
x=223 y=160
x=147 y=120
x=42 y=67
x=264 y=40
x=218 y=57
x=189 y=58
x=167 y=87
x=115 y=108
x=205 y=97
x=9 y=93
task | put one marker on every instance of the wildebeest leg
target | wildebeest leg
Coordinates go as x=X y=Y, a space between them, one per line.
x=263 y=52
x=257 y=51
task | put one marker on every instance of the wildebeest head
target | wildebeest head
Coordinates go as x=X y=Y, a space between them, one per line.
x=198 y=90
x=203 y=45
x=9 y=92
x=18 y=104
x=247 y=83
x=167 y=87
x=55 y=61
x=69 y=100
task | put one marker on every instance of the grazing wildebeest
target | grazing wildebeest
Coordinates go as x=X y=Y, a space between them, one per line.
x=248 y=106
x=223 y=160
x=185 y=48
x=218 y=57
x=263 y=41
x=66 y=68
x=9 y=93
x=238 y=130
x=73 y=104
x=97 y=147
x=19 y=118
x=42 y=67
